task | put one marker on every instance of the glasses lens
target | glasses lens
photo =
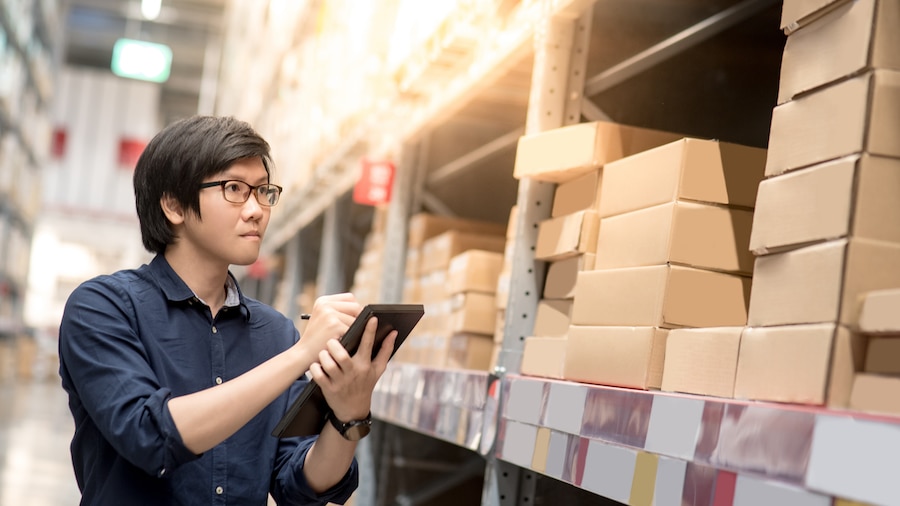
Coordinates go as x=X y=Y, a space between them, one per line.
x=268 y=194
x=236 y=191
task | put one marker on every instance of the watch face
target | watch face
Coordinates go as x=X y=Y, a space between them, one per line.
x=357 y=431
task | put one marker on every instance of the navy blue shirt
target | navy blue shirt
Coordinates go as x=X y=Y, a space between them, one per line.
x=131 y=341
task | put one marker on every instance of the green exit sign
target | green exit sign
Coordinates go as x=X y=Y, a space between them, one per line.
x=146 y=61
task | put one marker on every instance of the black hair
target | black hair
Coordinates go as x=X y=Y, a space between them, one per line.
x=179 y=158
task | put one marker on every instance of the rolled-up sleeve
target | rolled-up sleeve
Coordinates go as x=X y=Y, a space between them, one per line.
x=289 y=485
x=106 y=366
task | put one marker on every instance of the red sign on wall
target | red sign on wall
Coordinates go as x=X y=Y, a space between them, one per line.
x=58 y=143
x=375 y=182
x=129 y=152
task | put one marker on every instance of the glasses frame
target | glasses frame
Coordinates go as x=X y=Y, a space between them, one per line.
x=253 y=190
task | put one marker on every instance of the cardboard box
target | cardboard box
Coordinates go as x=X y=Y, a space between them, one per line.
x=879 y=312
x=553 y=318
x=849 y=117
x=686 y=233
x=883 y=355
x=660 y=296
x=475 y=271
x=579 y=194
x=544 y=357
x=702 y=361
x=855 y=36
x=796 y=14
x=874 y=393
x=562 y=274
x=511 y=224
x=567 y=236
x=621 y=356
x=822 y=282
x=688 y=169
x=470 y=351
x=424 y=226
x=564 y=153
x=473 y=313
x=852 y=196
x=807 y=364
x=437 y=251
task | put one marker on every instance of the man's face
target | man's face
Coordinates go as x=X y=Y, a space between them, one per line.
x=229 y=233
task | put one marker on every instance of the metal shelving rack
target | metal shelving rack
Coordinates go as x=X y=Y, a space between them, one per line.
x=537 y=439
x=22 y=40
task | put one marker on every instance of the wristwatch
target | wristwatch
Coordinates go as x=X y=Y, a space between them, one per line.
x=354 y=430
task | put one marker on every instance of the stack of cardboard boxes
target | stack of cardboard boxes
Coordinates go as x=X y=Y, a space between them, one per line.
x=827 y=225
x=571 y=157
x=452 y=269
x=671 y=253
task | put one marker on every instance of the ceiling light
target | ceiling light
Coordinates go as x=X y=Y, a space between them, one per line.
x=150 y=9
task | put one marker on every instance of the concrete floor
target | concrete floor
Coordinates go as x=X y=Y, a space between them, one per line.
x=35 y=430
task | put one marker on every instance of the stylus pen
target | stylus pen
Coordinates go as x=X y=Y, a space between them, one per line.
x=304 y=316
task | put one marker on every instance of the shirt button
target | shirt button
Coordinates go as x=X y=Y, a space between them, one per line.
x=215 y=330
x=218 y=380
x=220 y=490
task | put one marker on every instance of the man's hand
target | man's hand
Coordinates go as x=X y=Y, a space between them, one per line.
x=347 y=382
x=331 y=316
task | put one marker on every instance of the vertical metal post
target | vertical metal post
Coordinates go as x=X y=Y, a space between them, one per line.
x=331 y=279
x=408 y=182
x=557 y=81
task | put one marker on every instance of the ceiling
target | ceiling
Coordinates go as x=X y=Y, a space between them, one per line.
x=192 y=28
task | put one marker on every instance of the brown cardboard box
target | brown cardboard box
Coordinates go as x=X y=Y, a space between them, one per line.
x=876 y=394
x=686 y=233
x=879 y=312
x=849 y=117
x=567 y=236
x=796 y=14
x=853 y=37
x=544 y=357
x=562 y=274
x=620 y=356
x=413 y=262
x=822 y=282
x=475 y=271
x=852 y=196
x=553 y=318
x=688 y=169
x=883 y=355
x=808 y=364
x=582 y=192
x=660 y=296
x=564 y=153
x=470 y=351
x=473 y=313
x=437 y=251
x=424 y=226
x=702 y=361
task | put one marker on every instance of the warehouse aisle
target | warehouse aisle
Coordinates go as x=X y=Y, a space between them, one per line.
x=35 y=430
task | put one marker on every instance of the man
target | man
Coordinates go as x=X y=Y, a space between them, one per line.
x=175 y=378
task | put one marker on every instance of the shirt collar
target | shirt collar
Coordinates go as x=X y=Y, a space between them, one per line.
x=176 y=290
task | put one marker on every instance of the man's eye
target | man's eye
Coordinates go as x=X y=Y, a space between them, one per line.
x=233 y=187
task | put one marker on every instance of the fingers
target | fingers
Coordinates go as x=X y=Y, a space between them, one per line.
x=368 y=339
x=384 y=354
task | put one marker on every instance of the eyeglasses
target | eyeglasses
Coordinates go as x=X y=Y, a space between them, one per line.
x=238 y=192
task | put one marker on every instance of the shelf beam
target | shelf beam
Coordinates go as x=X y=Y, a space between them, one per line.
x=474 y=157
x=674 y=45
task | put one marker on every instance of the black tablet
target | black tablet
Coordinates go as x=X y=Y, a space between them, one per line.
x=307 y=415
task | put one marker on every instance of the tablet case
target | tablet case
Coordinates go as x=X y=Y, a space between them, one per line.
x=308 y=413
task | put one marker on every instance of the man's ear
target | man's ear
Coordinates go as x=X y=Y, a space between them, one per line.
x=172 y=209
